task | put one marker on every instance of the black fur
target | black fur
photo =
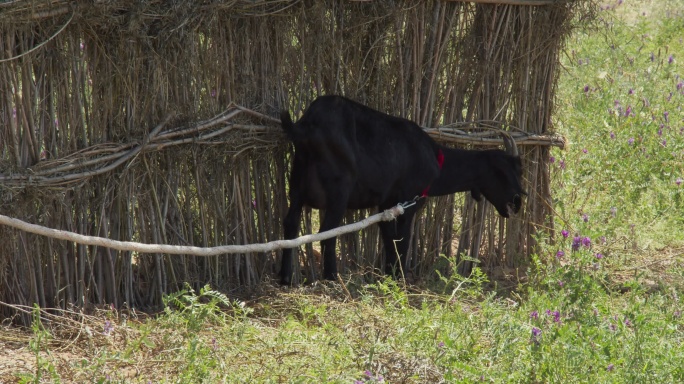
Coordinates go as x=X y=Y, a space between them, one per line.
x=349 y=156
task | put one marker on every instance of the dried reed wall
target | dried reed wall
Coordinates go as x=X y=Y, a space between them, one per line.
x=82 y=85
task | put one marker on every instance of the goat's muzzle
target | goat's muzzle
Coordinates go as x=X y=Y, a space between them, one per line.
x=513 y=207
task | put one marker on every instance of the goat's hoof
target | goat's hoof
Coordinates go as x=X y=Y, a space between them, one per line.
x=330 y=276
x=286 y=280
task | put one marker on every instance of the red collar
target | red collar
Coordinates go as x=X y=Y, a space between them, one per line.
x=440 y=158
x=440 y=163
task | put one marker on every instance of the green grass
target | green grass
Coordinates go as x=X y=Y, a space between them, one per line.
x=607 y=311
x=620 y=101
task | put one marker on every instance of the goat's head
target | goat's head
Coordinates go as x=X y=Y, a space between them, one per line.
x=502 y=184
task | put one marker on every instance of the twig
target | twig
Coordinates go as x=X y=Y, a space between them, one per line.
x=41 y=44
x=70 y=177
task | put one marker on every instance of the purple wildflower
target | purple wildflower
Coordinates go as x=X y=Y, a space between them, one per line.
x=584 y=150
x=612 y=327
x=666 y=115
x=628 y=111
x=586 y=88
x=628 y=322
x=556 y=316
x=616 y=103
x=630 y=141
x=680 y=85
x=562 y=164
x=560 y=254
x=565 y=233
x=630 y=92
x=677 y=313
x=652 y=55
x=580 y=61
x=561 y=283
x=585 y=218
x=586 y=241
x=108 y=328
x=612 y=135
x=664 y=143
x=536 y=334
x=576 y=242
x=440 y=345
x=678 y=181
x=599 y=256
x=660 y=130
x=610 y=367
x=603 y=240
x=670 y=59
x=534 y=315
x=552 y=159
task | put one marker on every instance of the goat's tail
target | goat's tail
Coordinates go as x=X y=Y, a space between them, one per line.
x=288 y=126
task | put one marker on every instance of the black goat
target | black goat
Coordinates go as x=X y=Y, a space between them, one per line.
x=349 y=156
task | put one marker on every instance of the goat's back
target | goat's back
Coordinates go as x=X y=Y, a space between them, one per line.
x=389 y=158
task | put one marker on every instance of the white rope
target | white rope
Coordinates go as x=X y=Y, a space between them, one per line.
x=387 y=215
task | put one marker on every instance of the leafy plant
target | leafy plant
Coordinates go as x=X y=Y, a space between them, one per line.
x=196 y=309
x=36 y=346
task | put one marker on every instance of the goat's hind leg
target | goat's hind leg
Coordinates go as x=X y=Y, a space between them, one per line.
x=332 y=219
x=337 y=196
x=291 y=230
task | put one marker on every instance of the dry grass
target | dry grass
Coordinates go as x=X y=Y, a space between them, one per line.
x=78 y=349
x=289 y=334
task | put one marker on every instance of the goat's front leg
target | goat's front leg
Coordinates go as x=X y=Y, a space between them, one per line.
x=396 y=236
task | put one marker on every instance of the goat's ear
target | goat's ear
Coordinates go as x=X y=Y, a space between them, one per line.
x=475 y=193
